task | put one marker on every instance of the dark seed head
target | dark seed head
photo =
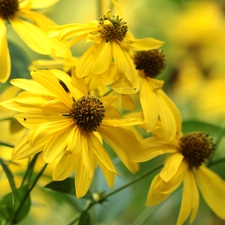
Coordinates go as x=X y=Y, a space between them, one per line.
x=8 y=8
x=196 y=148
x=88 y=113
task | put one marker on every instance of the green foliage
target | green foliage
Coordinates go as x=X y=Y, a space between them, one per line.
x=85 y=218
x=15 y=209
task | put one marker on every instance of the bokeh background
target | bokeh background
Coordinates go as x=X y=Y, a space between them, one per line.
x=194 y=36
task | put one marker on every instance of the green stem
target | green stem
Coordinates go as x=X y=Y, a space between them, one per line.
x=29 y=191
x=104 y=197
x=6 y=144
x=213 y=163
x=99 y=8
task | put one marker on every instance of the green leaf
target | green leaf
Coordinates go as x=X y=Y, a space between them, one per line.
x=65 y=186
x=15 y=211
x=85 y=218
x=195 y=125
x=10 y=179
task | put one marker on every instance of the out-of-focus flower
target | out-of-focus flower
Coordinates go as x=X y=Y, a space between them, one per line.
x=111 y=42
x=69 y=125
x=29 y=25
x=185 y=163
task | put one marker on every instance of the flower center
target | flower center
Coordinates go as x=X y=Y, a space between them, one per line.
x=112 y=29
x=196 y=148
x=151 y=63
x=8 y=8
x=88 y=113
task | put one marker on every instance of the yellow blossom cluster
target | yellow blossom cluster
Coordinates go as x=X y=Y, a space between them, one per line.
x=73 y=106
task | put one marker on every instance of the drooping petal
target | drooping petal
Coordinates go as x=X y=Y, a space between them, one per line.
x=85 y=63
x=123 y=142
x=121 y=122
x=154 y=196
x=149 y=104
x=34 y=37
x=5 y=63
x=171 y=165
x=168 y=187
x=109 y=99
x=146 y=44
x=104 y=58
x=65 y=167
x=98 y=149
x=190 y=199
x=212 y=188
x=82 y=179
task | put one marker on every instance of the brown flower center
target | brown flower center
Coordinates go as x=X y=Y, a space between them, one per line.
x=8 y=8
x=196 y=148
x=151 y=63
x=112 y=28
x=88 y=113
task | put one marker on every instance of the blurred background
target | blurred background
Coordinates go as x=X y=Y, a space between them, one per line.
x=194 y=36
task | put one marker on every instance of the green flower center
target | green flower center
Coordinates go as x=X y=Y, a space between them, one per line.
x=88 y=113
x=112 y=28
x=8 y=8
x=196 y=148
x=151 y=63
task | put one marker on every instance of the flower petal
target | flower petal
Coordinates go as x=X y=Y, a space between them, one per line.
x=33 y=36
x=104 y=58
x=149 y=104
x=101 y=153
x=123 y=142
x=171 y=165
x=5 y=63
x=190 y=199
x=212 y=188
x=146 y=44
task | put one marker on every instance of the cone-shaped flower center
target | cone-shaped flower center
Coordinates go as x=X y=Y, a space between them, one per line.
x=88 y=113
x=8 y=8
x=196 y=148
x=152 y=62
x=112 y=28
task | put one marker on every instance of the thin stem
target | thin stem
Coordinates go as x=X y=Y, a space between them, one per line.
x=104 y=197
x=29 y=191
x=6 y=144
x=99 y=8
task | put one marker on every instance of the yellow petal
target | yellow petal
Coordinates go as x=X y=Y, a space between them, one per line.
x=171 y=165
x=168 y=187
x=146 y=44
x=104 y=58
x=109 y=99
x=51 y=83
x=190 y=199
x=149 y=104
x=82 y=179
x=151 y=152
x=212 y=188
x=5 y=63
x=123 y=142
x=85 y=63
x=125 y=65
x=33 y=36
x=154 y=197
x=95 y=146
x=64 y=167
x=24 y=150
x=121 y=122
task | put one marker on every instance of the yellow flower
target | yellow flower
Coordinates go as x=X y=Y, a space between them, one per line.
x=111 y=42
x=69 y=125
x=29 y=25
x=185 y=163
x=154 y=101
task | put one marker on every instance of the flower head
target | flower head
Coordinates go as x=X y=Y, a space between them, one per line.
x=29 y=25
x=185 y=163
x=69 y=126
x=112 y=42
